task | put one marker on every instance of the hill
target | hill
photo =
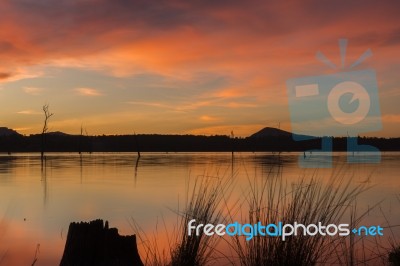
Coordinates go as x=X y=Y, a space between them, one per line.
x=271 y=132
x=267 y=139
x=5 y=131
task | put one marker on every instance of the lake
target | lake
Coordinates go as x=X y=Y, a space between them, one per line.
x=38 y=203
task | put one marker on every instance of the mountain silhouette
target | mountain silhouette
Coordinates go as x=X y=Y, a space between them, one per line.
x=5 y=131
x=267 y=139
x=271 y=132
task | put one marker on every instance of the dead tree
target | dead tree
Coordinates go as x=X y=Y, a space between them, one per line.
x=80 y=141
x=233 y=142
x=96 y=244
x=47 y=116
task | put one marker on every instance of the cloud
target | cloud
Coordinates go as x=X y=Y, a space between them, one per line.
x=88 y=92
x=238 y=130
x=28 y=112
x=391 y=118
x=19 y=129
x=20 y=72
x=207 y=118
x=4 y=75
x=179 y=106
x=177 y=37
x=254 y=46
x=153 y=104
x=196 y=103
x=32 y=90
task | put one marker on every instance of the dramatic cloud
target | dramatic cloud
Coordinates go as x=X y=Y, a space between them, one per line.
x=220 y=58
x=132 y=36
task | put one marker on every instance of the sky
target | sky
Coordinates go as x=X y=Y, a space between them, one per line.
x=184 y=67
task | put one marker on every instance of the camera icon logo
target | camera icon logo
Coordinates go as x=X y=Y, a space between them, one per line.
x=343 y=104
x=356 y=90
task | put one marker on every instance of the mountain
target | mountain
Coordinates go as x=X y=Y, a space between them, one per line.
x=268 y=132
x=271 y=132
x=5 y=131
x=54 y=133
x=267 y=139
x=58 y=133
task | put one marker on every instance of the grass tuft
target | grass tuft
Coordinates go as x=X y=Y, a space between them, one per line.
x=308 y=201
x=203 y=200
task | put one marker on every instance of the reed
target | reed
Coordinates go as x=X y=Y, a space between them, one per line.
x=271 y=199
x=394 y=252
x=308 y=201
x=394 y=256
x=203 y=203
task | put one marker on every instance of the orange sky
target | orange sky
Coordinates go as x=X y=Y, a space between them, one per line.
x=202 y=67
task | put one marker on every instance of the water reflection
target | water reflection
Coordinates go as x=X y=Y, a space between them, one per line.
x=43 y=170
x=136 y=168
x=117 y=187
x=6 y=163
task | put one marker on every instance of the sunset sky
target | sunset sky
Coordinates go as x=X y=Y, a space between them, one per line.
x=184 y=67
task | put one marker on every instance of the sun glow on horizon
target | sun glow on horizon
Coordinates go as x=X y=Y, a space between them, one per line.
x=178 y=67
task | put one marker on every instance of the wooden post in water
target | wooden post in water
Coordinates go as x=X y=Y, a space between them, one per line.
x=94 y=243
x=137 y=146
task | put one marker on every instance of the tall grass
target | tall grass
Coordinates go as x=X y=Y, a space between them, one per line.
x=394 y=256
x=394 y=253
x=203 y=203
x=271 y=199
x=308 y=201
x=203 y=206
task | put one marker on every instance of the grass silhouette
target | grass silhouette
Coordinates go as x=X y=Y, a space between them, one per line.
x=271 y=199
x=203 y=202
x=308 y=201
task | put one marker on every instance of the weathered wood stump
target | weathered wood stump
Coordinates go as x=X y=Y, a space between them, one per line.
x=94 y=243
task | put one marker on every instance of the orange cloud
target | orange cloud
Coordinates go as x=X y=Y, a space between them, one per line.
x=207 y=118
x=88 y=92
x=28 y=112
x=253 y=47
x=391 y=118
x=238 y=130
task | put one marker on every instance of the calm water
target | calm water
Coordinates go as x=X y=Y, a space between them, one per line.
x=37 y=205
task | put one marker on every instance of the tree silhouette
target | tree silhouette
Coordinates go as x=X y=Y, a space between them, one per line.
x=47 y=116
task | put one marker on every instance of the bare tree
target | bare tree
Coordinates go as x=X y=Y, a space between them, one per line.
x=233 y=142
x=80 y=141
x=47 y=116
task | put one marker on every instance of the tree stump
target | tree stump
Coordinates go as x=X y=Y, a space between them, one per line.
x=94 y=243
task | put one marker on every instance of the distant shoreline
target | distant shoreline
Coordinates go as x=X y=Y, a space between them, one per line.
x=178 y=143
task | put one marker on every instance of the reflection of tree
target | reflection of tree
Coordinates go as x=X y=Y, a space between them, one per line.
x=44 y=181
x=81 y=166
x=136 y=168
x=138 y=157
